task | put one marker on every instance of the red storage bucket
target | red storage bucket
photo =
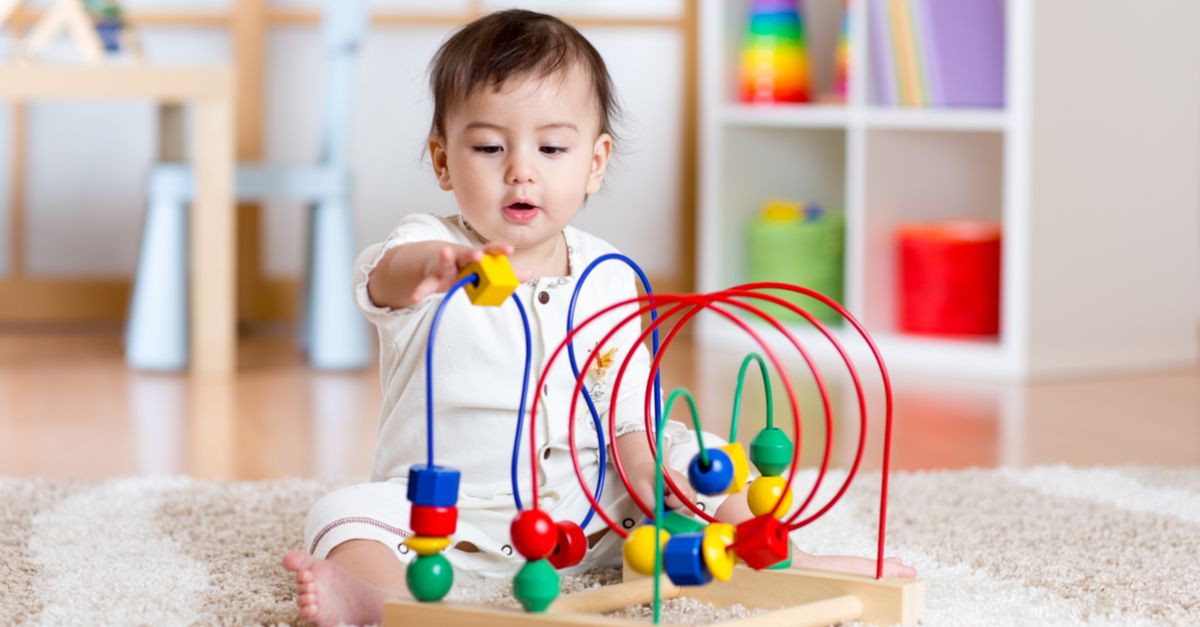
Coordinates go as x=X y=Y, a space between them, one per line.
x=950 y=278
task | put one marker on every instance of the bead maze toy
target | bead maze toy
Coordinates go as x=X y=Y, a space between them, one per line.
x=698 y=554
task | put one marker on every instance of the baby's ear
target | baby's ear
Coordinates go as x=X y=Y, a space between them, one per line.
x=441 y=169
x=601 y=151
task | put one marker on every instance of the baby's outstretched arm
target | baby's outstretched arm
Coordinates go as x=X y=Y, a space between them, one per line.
x=410 y=272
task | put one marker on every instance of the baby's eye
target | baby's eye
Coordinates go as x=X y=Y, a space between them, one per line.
x=552 y=150
x=488 y=149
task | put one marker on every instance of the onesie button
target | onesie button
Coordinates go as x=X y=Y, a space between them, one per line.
x=507 y=550
x=543 y=297
x=627 y=523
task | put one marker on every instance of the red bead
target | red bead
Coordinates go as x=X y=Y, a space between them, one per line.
x=433 y=521
x=534 y=534
x=571 y=546
x=762 y=541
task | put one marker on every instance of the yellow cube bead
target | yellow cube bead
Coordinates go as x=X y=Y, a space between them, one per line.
x=496 y=283
x=717 y=548
x=424 y=545
x=765 y=492
x=741 y=467
x=639 y=548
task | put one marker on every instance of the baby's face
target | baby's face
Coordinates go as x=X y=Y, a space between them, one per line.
x=521 y=160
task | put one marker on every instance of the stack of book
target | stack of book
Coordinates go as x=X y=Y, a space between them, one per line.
x=937 y=53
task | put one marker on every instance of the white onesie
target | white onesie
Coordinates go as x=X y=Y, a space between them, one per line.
x=478 y=358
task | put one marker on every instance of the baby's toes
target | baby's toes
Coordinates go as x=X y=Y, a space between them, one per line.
x=308 y=605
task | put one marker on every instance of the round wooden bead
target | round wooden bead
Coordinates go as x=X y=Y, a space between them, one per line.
x=425 y=545
x=571 y=545
x=771 y=452
x=639 y=548
x=429 y=577
x=741 y=467
x=433 y=521
x=765 y=492
x=717 y=548
x=683 y=560
x=536 y=585
x=534 y=534
x=713 y=478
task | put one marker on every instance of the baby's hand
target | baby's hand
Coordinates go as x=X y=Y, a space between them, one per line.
x=642 y=477
x=441 y=270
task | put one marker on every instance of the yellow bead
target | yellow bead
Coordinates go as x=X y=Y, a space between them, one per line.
x=497 y=281
x=719 y=555
x=765 y=491
x=639 y=548
x=424 y=545
x=741 y=467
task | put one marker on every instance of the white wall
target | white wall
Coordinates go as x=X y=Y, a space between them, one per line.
x=87 y=161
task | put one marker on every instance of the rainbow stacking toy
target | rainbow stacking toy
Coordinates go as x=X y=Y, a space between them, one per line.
x=774 y=60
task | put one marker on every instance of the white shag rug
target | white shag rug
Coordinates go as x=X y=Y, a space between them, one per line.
x=1046 y=546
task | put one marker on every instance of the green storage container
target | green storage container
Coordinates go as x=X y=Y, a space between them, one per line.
x=806 y=251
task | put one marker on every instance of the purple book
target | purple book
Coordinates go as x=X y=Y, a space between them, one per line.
x=884 y=69
x=966 y=42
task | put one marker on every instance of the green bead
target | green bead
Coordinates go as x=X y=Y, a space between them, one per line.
x=675 y=524
x=536 y=586
x=429 y=577
x=787 y=563
x=771 y=452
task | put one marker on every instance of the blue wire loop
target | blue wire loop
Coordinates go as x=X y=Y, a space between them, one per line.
x=587 y=398
x=473 y=279
x=437 y=317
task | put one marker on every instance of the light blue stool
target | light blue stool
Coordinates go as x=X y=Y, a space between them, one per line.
x=332 y=331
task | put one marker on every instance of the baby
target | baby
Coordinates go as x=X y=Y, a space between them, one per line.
x=522 y=134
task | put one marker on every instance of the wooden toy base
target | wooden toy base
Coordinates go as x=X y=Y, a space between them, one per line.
x=792 y=597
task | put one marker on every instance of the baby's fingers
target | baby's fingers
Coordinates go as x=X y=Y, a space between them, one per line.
x=466 y=255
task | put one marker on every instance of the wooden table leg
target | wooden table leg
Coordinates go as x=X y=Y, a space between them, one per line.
x=213 y=240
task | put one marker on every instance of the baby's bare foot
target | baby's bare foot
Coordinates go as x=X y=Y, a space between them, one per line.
x=328 y=594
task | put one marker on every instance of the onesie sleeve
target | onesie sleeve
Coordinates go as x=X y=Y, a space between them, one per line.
x=412 y=228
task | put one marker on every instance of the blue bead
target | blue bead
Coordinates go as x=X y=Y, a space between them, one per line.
x=684 y=561
x=433 y=486
x=714 y=479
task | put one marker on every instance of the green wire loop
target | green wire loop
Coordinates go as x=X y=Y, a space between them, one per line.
x=658 y=512
x=737 y=394
x=695 y=421
x=658 y=488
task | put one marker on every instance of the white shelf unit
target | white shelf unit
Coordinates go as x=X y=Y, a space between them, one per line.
x=1082 y=216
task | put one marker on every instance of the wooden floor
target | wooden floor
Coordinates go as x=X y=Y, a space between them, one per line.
x=69 y=408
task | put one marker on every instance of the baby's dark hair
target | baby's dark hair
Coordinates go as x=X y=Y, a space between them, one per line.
x=511 y=44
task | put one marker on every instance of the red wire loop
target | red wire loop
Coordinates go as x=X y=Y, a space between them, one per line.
x=694 y=304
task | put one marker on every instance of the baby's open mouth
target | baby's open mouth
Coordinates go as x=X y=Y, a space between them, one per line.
x=520 y=212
